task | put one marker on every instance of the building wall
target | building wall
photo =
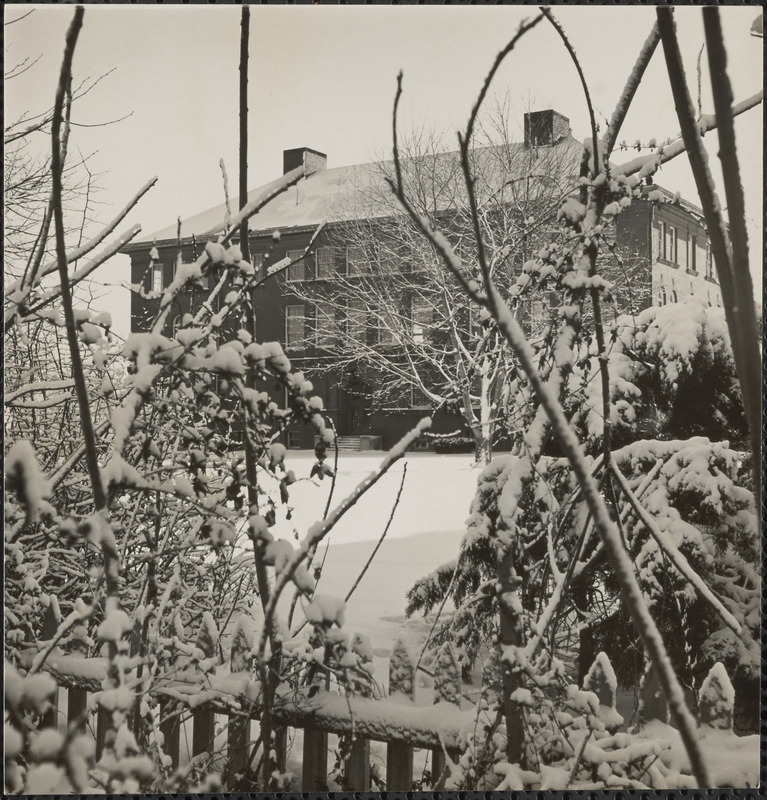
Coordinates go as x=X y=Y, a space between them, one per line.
x=660 y=275
x=682 y=266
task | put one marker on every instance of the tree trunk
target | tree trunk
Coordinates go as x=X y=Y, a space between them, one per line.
x=482 y=445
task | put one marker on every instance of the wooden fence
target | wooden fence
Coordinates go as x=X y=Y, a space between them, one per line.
x=404 y=726
x=187 y=690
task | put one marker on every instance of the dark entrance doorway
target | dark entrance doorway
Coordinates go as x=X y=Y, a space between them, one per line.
x=353 y=404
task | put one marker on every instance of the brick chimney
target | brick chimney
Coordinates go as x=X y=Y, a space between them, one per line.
x=312 y=160
x=544 y=128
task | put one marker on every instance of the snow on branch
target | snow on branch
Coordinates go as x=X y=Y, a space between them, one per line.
x=319 y=530
x=39 y=386
x=651 y=163
x=191 y=271
x=632 y=84
x=50 y=295
x=676 y=557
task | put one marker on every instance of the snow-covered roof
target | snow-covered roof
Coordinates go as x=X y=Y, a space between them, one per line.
x=656 y=192
x=360 y=191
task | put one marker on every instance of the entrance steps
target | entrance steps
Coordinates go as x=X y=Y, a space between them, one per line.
x=349 y=444
x=356 y=444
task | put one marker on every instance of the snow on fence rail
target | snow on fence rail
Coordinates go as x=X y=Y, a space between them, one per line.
x=395 y=720
x=193 y=686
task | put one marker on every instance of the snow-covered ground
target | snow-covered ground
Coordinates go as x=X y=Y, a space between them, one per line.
x=425 y=532
x=436 y=495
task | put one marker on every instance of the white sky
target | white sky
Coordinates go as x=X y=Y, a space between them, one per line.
x=325 y=76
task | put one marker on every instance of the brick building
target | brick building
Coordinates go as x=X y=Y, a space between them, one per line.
x=667 y=234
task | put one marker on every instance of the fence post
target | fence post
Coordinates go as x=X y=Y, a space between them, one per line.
x=241 y=660
x=77 y=708
x=399 y=755
x=652 y=701
x=203 y=722
x=447 y=689
x=77 y=699
x=602 y=682
x=716 y=700
x=51 y=621
x=314 y=773
x=103 y=721
x=171 y=729
x=357 y=767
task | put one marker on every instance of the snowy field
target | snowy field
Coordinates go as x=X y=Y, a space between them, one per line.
x=425 y=532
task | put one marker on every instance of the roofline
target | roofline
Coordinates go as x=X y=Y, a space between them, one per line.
x=685 y=204
x=133 y=247
x=568 y=139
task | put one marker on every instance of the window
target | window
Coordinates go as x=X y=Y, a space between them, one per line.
x=326 y=262
x=662 y=297
x=474 y=324
x=669 y=251
x=325 y=327
x=388 y=324
x=379 y=326
x=342 y=320
x=356 y=260
x=156 y=277
x=388 y=261
x=421 y=315
x=418 y=398
x=660 y=244
x=296 y=272
x=357 y=319
x=692 y=253
x=294 y=440
x=257 y=260
x=294 y=325
x=709 y=264
x=175 y=324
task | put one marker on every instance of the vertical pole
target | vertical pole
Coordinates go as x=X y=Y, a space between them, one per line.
x=240 y=660
x=203 y=722
x=243 y=177
x=314 y=774
x=357 y=771
x=50 y=625
x=171 y=731
x=399 y=755
x=510 y=635
x=77 y=708
x=103 y=722
x=447 y=689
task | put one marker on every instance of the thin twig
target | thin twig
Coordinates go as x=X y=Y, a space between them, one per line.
x=381 y=538
x=597 y=167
